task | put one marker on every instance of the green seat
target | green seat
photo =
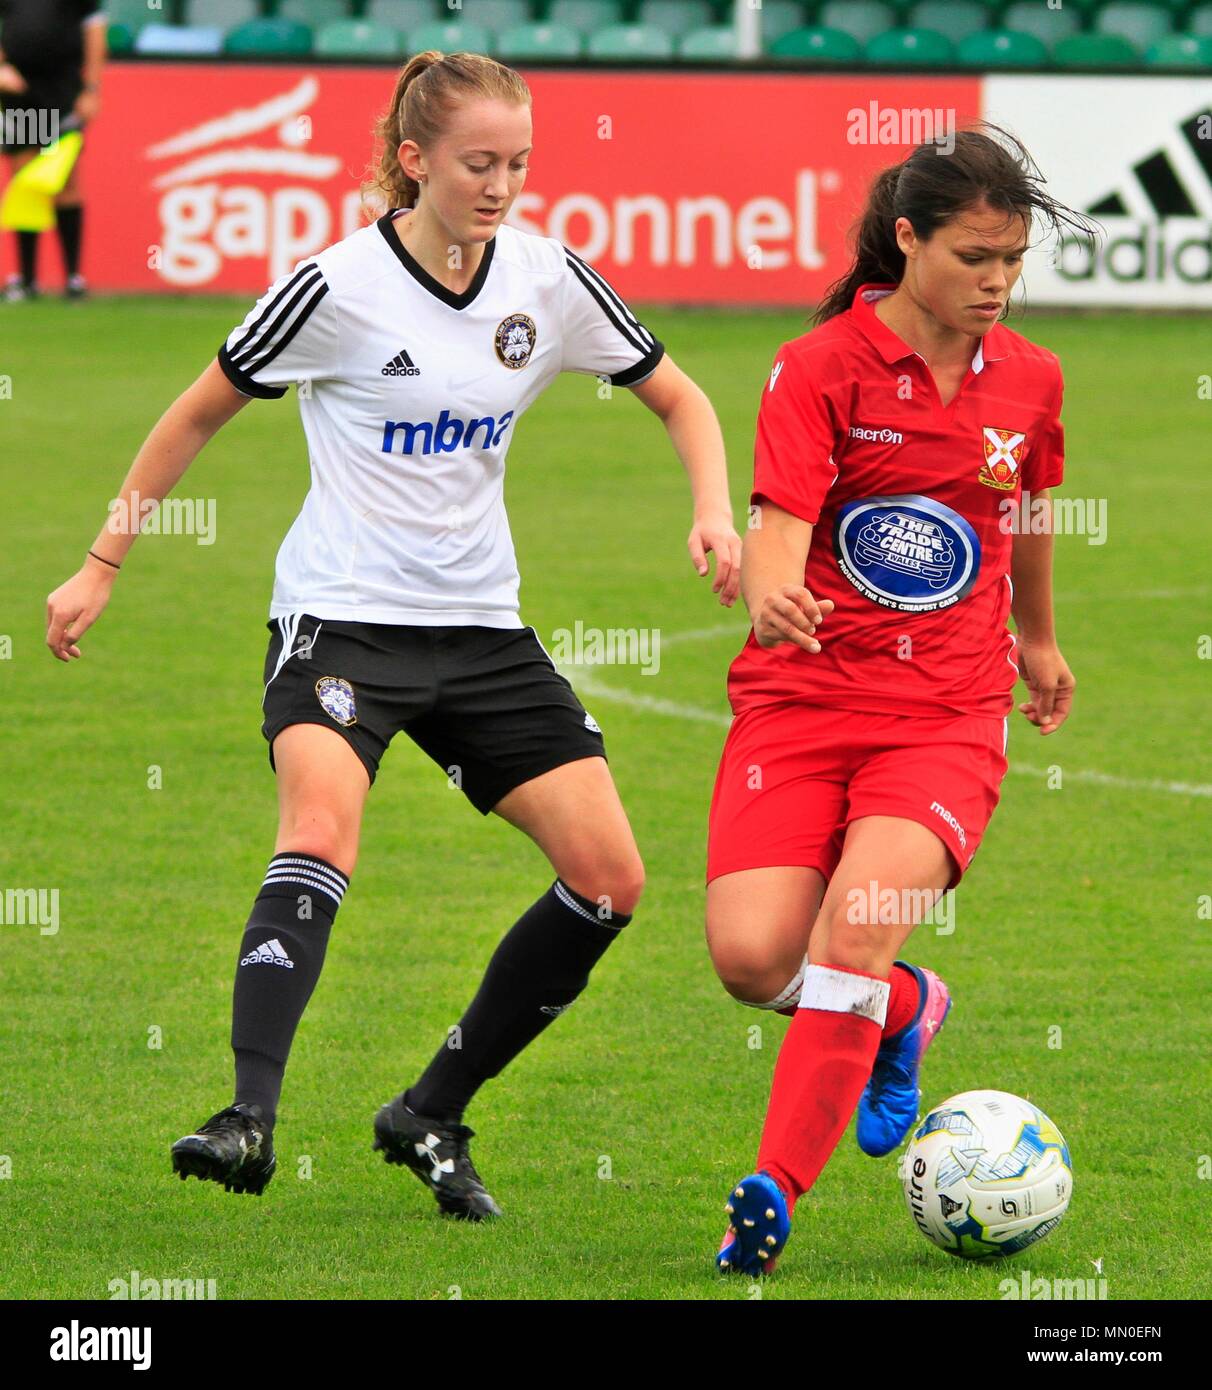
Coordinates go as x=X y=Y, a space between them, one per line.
x=539 y=41
x=675 y=16
x=585 y=15
x=449 y=36
x=779 y=17
x=1199 y=21
x=861 y=19
x=493 y=15
x=1030 y=17
x=1140 y=24
x=403 y=15
x=1180 y=51
x=630 y=41
x=227 y=14
x=120 y=38
x=316 y=13
x=1094 y=51
x=954 y=18
x=716 y=44
x=268 y=37
x=131 y=14
x=358 y=38
x=917 y=48
x=1000 y=48
x=820 y=44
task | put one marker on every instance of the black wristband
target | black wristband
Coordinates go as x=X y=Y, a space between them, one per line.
x=104 y=561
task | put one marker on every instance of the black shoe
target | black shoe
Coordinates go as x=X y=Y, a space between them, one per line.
x=437 y=1154
x=18 y=291
x=234 y=1147
x=76 y=287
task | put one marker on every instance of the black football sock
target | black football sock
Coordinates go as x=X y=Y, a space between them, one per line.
x=280 y=961
x=69 y=221
x=541 y=965
x=27 y=255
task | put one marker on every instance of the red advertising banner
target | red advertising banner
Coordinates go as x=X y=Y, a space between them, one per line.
x=705 y=188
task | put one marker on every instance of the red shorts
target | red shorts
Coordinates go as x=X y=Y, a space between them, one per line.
x=793 y=776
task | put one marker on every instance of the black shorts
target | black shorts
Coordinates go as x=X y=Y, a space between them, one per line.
x=487 y=704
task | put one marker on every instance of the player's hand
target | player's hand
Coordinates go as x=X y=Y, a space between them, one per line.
x=75 y=606
x=11 y=80
x=87 y=107
x=1049 y=682
x=791 y=614
x=717 y=533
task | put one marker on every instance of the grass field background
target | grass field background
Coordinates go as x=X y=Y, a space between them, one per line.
x=1080 y=912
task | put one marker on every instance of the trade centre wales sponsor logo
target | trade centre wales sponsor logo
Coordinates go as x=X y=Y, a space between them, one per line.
x=909 y=553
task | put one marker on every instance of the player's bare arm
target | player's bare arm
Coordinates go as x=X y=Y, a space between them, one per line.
x=772 y=571
x=694 y=431
x=174 y=442
x=1041 y=665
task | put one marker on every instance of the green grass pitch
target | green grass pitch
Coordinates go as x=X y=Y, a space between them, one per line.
x=612 y=1142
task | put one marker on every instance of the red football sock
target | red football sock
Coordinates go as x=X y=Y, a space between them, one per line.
x=822 y=1067
x=904 y=997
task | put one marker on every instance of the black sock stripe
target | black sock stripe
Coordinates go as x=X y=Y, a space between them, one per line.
x=583 y=907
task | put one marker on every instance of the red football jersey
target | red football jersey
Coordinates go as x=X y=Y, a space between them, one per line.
x=912 y=538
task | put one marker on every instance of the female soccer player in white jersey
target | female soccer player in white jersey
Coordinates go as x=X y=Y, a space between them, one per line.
x=894 y=444
x=421 y=340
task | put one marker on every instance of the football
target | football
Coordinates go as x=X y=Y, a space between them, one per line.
x=986 y=1173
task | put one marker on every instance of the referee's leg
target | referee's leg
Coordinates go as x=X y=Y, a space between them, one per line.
x=573 y=813
x=322 y=788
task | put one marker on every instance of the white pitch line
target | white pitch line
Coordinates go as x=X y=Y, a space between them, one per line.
x=674 y=710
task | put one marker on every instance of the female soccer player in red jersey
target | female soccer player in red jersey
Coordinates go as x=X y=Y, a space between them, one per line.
x=894 y=445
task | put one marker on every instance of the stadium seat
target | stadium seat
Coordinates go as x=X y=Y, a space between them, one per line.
x=1030 y=17
x=861 y=19
x=270 y=38
x=1180 y=51
x=918 y=48
x=359 y=38
x=1140 y=24
x=132 y=14
x=1000 y=48
x=1094 y=51
x=120 y=39
x=675 y=16
x=314 y=13
x=224 y=13
x=1199 y=21
x=716 y=43
x=179 y=40
x=449 y=36
x=539 y=41
x=779 y=17
x=630 y=41
x=585 y=15
x=819 y=44
x=493 y=15
x=403 y=14
x=954 y=18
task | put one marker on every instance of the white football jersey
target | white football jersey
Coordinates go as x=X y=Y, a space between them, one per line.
x=409 y=395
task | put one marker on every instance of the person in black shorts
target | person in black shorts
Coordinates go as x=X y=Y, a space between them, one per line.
x=52 y=53
x=417 y=342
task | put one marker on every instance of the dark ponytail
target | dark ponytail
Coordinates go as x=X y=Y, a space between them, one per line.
x=932 y=186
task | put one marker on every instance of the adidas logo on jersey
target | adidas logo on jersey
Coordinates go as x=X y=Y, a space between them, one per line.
x=269 y=953
x=401 y=365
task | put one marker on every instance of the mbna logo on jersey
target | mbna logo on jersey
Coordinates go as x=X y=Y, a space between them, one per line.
x=337 y=697
x=514 y=340
x=909 y=553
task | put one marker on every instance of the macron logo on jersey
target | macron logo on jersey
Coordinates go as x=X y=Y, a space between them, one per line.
x=401 y=365
x=445 y=435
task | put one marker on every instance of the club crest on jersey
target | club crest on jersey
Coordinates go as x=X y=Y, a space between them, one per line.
x=514 y=340
x=1003 y=454
x=337 y=697
x=910 y=553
